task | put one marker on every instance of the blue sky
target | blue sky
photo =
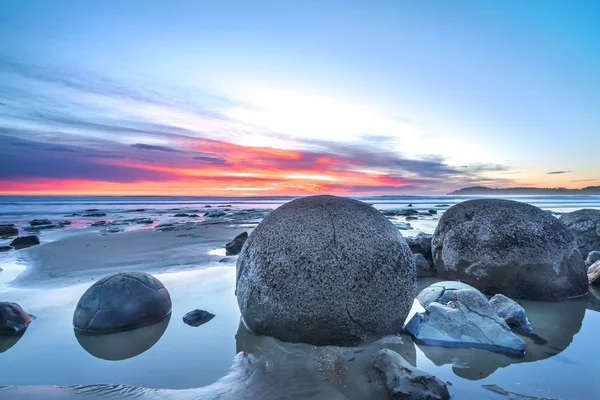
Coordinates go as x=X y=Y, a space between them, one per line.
x=281 y=97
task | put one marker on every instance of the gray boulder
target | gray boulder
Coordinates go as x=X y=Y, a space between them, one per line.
x=420 y=244
x=121 y=302
x=592 y=257
x=511 y=312
x=325 y=270
x=457 y=315
x=25 y=241
x=13 y=320
x=424 y=268
x=585 y=225
x=235 y=246
x=508 y=247
x=593 y=273
x=8 y=230
x=404 y=381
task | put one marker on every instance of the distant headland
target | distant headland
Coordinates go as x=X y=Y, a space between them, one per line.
x=525 y=191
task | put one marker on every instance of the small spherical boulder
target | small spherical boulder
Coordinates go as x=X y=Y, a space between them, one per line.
x=121 y=302
x=325 y=270
x=509 y=247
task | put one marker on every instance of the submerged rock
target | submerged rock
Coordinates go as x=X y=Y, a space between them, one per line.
x=405 y=381
x=121 y=302
x=25 y=241
x=8 y=230
x=325 y=270
x=424 y=268
x=511 y=312
x=38 y=228
x=593 y=273
x=179 y=215
x=37 y=222
x=5 y=248
x=585 y=225
x=13 y=320
x=197 y=317
x=94 y=214
x=235 y=246
x=458 y=315
x=508 y=247
x=592 y=257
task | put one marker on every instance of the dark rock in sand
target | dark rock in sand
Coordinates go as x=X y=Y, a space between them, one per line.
x=215 y=214
x=13 y=320
x=8 y=230
x=410 y=218
x=404 y=381
x=592 y=257
x=420 y=244
x=432 y=211
x=5 y=248
x=95 y=214
x=235 y=246
x=410 y=205
x=121 y=302
x=37 y=222
x=179 y=215
x=508 y=247
x=64 y=223
x=325 y=270
x=99 y=223
x=424 y=268
x=38 y=228
x=207 y=206
x=25 y=241
x=512 y=313
x=593 y=273
x=197 y=317
x=585 y=225
x=458 y=315
x=193 y=215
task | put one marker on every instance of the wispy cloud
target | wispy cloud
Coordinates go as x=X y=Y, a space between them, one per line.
x=143 y=146
x=557 y=172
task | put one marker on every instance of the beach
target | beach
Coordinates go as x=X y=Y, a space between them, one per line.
x=187 y=254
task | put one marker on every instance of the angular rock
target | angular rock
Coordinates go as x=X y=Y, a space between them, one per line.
x=457 y=315
x=197 y=317
x=420 y=244
x=325 y=270
x=512 y=313
x=424 y=268
x=593 y=273
x=25 y=241
x=235 y=246
x=592 y=257
x=508 y=247
x=585 y=225
x=121 y=302
x=37 y=222
x=404 y=381
x=8 y=230
x=13 y=320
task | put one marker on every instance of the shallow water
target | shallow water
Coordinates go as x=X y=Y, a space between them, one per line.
x=173 y=355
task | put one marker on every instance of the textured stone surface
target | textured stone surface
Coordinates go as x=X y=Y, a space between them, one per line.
x=592 y=257
x=404 y=381
x=122 y=302
x=424 y=268
x=585 y=225
x=508 y=247
x=25 y=241
x=13 y=320
x=235 y=246
x=512 y=313
x=197 y=317
x=325 y=270
x=457 y=315
x=420 y=244
x=593 y=273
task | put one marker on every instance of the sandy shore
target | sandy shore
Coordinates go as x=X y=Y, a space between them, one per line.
x=93 y=255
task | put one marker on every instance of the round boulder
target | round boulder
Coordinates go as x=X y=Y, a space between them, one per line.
x=325 y=270
x=121 y=302
x=509 y=247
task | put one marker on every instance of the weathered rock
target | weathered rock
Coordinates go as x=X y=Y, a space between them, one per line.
x=432 y=212
x=585 y=225
x=8 y=230
x=424 y=268
x=37 y=222
x=121 y=302
x=420 y=244
x=197 y=317
x=512 y=313
x=325 y=270
x=593 y=273
x=235 y=246
x=457 y=315
x=94 y=214
x=404 y=381
x=25 y=241
x=508 y=247
x=5 y=248
x=592 y=257
x=13 y=320
x=179 y=215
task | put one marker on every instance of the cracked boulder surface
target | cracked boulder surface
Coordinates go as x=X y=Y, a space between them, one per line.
x=509 y=247
x=458 y=315
x=325 y=270
x=585 y=225
x=122 y=302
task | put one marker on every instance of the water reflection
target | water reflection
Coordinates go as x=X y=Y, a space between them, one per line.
x=556 y=322
x=123 y=345
x=6 y=342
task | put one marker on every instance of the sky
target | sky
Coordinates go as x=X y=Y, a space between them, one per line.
x=244 y=98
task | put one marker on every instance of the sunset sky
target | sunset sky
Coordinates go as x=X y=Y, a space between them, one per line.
x=296 y=97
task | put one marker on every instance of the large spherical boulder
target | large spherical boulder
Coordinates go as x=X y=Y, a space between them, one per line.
x=508 y=247
x=325 y=270
x=121 y=302
x=585 y=225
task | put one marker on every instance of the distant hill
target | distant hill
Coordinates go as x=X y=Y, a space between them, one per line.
x=525 y=191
